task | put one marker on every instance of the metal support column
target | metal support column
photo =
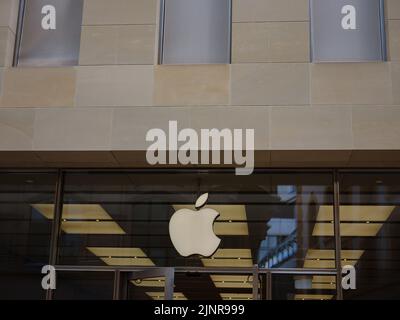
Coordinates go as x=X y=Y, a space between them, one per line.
x=56 y=227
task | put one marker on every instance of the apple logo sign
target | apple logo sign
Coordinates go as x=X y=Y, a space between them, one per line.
x=192 y=232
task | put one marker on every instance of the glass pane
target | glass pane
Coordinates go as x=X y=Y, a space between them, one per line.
x=303 y=287
x=84 y=286
x=195 y=286
x=196 y=32
x=273 y=220
x=25 y=233
x=370 y=225
x=51 y=33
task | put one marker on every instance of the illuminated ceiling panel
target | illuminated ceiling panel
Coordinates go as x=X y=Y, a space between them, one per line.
x=365 y=220
x=117 y=252
x=91 y=227
x=74 y=211
x=232 y=281
x=230 y=258
x=330 y=254
x=326 y=264
x=160 y=295
x=315 y=283
x=324 y=279
x=150 y=282
x=232 y=253
x=326 y=258
x=231 y=229
x=128 y=262
x=348 y=229
x=324 y=282
x=90 y=219
x=230 y=215
x=313 y=297
x=122 y=256
x=240 y=263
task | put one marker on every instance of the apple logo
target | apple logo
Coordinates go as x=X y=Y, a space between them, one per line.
x=192 y=232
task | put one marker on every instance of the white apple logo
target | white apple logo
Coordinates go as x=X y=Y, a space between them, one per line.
x=192 y=232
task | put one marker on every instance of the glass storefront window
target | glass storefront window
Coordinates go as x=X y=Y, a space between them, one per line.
x=370 y=228
x=24 y=233
x=282 y=220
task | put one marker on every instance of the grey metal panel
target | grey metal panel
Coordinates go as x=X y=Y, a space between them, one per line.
x=332 y=43
x=196 y=32
x=59 y=47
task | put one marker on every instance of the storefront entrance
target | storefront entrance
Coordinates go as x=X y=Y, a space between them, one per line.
x=283 y=234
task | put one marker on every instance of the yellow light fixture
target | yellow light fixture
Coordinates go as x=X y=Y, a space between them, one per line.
x=348 y=229
x=90 y=227
x=324 y=286
x=326 y=264
x=324 y=282
x=231 y=229
x=74 y=211
x=236 y=296
x=232 y=281
x=122 y=256
x=232 y=253
x=242 y=263
x=356 y=213
x=82 y=218
x=230 y=258
x=227 y=212
x=330 y=254
x=324 y=279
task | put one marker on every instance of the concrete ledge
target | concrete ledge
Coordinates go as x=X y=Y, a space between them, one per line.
x=263 y=159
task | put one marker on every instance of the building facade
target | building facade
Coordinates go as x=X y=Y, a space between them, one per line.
x=78 y=192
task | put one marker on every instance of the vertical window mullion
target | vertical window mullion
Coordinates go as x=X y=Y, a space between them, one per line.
x=338 y=246
x=56 y=227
